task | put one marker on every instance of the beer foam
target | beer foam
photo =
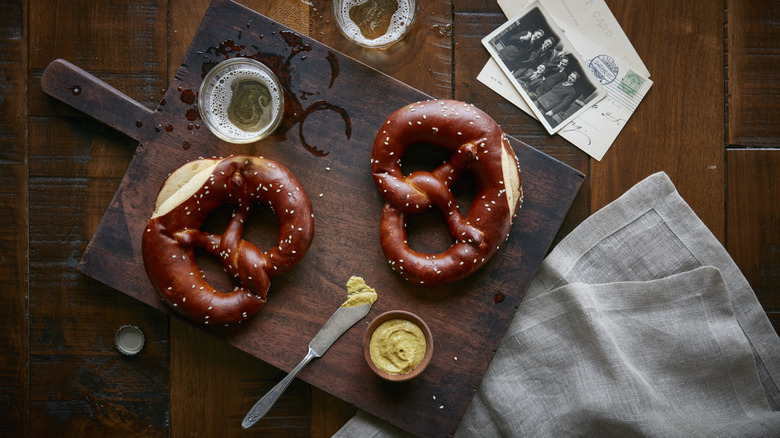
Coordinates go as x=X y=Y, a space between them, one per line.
x=400 y=22
x=218 y=100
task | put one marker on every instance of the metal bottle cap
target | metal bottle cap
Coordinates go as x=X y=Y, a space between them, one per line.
x=129 y=340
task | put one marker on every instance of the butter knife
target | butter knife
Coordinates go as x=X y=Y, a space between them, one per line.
x=337 y=324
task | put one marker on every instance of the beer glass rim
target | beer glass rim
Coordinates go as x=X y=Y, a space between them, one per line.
x=204 y=92
x=335 y=6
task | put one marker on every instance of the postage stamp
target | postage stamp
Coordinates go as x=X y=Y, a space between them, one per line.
x=631 y=83
x=542 y=64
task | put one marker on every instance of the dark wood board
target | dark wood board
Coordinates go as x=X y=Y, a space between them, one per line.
x=466 y=320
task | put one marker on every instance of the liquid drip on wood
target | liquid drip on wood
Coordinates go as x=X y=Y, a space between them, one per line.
x=279 y=59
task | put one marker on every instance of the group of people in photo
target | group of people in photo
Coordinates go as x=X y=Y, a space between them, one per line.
x=543 y=68
x=543 y=65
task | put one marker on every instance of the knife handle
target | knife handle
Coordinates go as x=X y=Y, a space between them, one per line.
x=264 y=404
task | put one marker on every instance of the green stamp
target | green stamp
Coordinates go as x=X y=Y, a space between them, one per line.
x=631 y=83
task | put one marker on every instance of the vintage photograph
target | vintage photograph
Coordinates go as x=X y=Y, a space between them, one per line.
x=541 y=63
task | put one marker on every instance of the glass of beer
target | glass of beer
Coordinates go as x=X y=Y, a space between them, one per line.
x=241 y=100
x=376 y=24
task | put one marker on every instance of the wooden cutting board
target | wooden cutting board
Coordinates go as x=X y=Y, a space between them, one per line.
x=335 y=106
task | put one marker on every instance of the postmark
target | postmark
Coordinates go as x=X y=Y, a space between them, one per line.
x=631 y=83
x=605 y=68
x=530 y=50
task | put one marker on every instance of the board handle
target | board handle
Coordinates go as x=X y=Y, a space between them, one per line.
x=88 y=94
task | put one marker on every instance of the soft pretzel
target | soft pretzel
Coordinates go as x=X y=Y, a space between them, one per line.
x=187 y=197
x=478 y=145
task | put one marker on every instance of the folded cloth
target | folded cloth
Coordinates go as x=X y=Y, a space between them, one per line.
x=638 y=323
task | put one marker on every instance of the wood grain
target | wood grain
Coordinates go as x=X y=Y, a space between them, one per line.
x=328 y=413
x=211 y=399
x=227 y=376
x=753 y=222
x=13 y=219
x=94 y=34
x=72 y=318
x=754 y=76
x=423 y=59
x=678 y=128
x=185 y=17
x=550 y=187
x=79 y=384
x=469 y=58
x=13 y=324
x=60 y=374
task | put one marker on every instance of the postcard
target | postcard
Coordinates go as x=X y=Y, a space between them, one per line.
x=544 y=67
x=596 y=129
x=591 y=18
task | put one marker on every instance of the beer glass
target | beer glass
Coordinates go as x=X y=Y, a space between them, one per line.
x=241 y=100
x=376 y=24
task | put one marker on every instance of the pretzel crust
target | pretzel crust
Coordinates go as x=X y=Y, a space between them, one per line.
x=186 y=199
x=478 y=145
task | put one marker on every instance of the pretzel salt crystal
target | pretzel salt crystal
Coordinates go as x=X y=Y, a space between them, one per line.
x=479 y=146
x=186 y=199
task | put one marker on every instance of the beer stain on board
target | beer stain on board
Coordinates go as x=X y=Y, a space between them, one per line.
x=294 y=111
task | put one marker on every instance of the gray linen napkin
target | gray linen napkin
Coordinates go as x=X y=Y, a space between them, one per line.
x=637 y=324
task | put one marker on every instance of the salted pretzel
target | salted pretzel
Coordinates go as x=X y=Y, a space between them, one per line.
x=479 y=146
x=186 y=198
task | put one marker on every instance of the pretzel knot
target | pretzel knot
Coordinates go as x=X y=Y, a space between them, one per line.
x=173 y=233
x=478 y=146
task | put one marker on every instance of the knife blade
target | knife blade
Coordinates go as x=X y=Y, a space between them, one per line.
x=335 y=326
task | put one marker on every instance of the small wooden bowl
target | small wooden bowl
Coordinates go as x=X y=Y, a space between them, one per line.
x=398 y=314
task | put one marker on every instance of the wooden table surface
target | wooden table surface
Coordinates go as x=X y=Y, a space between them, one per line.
x=710 y=121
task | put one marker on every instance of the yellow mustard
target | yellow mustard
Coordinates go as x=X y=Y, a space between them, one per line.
x=358 y=292
x=397 y=346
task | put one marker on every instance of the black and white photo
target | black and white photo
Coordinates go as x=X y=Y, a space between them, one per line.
x=542 y=64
